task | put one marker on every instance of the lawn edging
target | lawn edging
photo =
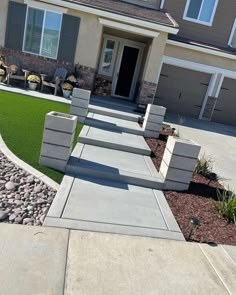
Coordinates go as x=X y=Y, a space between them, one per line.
x=11 y=156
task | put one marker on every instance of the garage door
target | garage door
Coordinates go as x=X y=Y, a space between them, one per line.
x=182 y=91
x=225 y=109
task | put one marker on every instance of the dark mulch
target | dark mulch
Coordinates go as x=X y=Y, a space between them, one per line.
x=199 y=201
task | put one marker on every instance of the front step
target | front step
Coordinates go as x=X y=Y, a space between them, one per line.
x=113 y=113
x=114 y=140
x=114 y=124
x=109 y=164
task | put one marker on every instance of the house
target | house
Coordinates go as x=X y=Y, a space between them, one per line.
x=179 y=54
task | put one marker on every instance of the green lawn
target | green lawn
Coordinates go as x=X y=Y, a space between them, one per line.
x=21 y=126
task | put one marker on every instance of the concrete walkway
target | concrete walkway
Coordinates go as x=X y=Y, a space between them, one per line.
x=52 y=261
x=218 y=142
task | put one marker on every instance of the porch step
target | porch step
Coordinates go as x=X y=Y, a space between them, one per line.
x=113 y=113
x=114 y=124
x=120 y=166
x=114 y=140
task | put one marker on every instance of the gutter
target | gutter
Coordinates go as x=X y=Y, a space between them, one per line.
x=115 y=16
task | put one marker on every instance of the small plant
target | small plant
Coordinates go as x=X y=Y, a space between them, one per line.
x=34 y=79
x=204 y=166
x=181 y=120
x=226 y=205
x=67 y=86
x=2 y=72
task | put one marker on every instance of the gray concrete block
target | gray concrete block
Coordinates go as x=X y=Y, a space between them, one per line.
x=56 y=151
x=155 y=110
x=77 y=111
x=149 y=126
x=175 y=186
x=149 y=134
x=58 y=137
x=182 y=162
x=175 y=174
x=78 y=102
x=183 y=147
x=156 y=119
x=81 y=93
x=60 y=121
x=53 y=163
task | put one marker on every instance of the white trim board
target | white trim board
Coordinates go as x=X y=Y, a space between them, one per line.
x=44 y=6
x=162 y=4
x=185 y=17
x=114 y=16
x=233 y=32
x=197 y=66
x=128 y=28
x=201 y=49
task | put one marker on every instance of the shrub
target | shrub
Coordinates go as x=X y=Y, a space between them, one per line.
x=34 y=79
x=226 y=205
x=67 y=86
x=2 y=72
x=204 y=166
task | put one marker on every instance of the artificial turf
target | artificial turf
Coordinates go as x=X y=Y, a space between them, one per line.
x=21 y=126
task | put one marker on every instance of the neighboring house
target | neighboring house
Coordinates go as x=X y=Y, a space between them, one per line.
x=134 y=48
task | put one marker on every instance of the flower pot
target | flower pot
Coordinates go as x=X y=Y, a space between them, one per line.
x=32 y=85
x=66 y=93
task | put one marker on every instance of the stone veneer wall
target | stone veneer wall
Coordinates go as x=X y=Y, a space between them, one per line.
x=209 y=108
x=43 y=65
x=146 y=93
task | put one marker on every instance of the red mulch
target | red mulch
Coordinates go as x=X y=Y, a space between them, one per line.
x=199 y=201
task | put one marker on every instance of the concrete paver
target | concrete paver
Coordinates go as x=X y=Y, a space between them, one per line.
x=218 y=142
x=33 y=260
x=100 y=205
x=104 y=264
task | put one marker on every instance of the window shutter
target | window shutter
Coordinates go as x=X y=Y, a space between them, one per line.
x=15 y=25
x=68 y=38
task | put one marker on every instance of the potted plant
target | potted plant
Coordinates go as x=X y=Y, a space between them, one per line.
x=2 y=74
x=33 y=81
x=66 y=89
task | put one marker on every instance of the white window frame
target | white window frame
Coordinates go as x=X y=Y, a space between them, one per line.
x=185 y=17
x=233 y=32
x=44 y=17
x=100 y=71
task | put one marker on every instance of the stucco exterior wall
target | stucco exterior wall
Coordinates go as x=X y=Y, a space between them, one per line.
x=3 y=20
x=89 y=39
x=154 y=59
x=199 y=57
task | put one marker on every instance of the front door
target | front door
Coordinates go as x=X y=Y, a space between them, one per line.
x=126 y=72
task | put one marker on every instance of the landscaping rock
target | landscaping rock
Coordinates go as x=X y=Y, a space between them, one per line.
x=3 y=215
x=10 y=186
x=38 y=189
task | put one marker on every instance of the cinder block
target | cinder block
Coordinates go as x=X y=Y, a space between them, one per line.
x=156 y=110
x=175 y=174
x=156 y=119
x=81 y=93
x=56 y=151
x=60 y=122
x=53 y=163
x=176 y=186
x=78 y=111
x=83 y=103
x=183 y=147
x=58 y=137
x=152 y=134
x=182 y=162
x=151 y=126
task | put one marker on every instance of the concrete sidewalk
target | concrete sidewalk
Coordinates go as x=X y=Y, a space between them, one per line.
x=53 y=261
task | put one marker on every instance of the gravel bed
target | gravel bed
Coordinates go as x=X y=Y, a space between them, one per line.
x=24 y=199
x=199 y=201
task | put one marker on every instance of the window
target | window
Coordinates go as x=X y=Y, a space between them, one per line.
x=232 y=38
x=42 y=32
x=200 y=11
x=108 y=57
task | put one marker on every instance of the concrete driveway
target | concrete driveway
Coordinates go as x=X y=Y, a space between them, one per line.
x=218 y=141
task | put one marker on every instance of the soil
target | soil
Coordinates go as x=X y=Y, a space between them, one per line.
x=199 y=202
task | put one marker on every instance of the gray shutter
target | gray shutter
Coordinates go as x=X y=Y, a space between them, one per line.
x=68 y=38
x=15 y=25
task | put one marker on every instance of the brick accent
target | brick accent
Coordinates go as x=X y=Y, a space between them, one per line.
x=88 y=75
x=209 y=108
x=35 y=63
x=146 y=92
